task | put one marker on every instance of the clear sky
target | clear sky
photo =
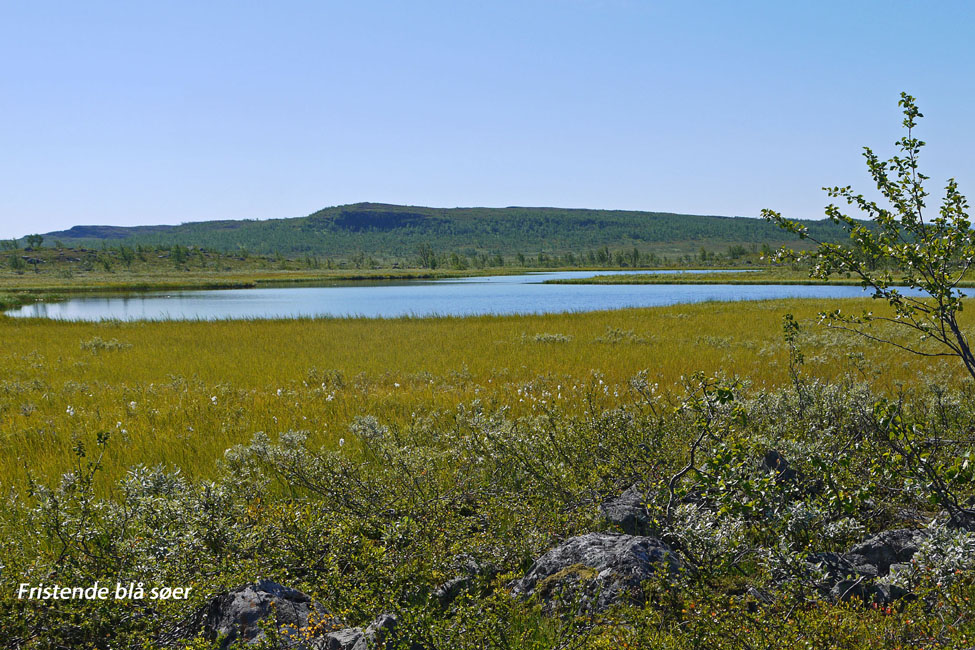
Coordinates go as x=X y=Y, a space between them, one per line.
x=136 y=112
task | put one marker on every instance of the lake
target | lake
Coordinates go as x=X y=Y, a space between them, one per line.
x=502 y=294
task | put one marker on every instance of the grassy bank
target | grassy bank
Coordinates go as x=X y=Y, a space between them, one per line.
x=758 y=276
x=47 y=274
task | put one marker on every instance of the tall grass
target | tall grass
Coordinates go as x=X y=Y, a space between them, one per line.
x=761 y=275
x=181 y=393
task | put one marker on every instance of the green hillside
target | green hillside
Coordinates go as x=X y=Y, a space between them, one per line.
x=390 y=231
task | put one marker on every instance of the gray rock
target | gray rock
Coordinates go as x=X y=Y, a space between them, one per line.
x=237 y=614
x=839 y=566
x=628 y=511
x=599 y=569
x=776 y=462
x=467 y=569
x=889 y=547
x=344 y=639
x=372 y=637
x=866 y=591
x=846 y=590
x=448 y=591
x=852 y=574
x=962 y=520
x=898 y=569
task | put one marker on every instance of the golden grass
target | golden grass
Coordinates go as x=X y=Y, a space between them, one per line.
x=182 y=392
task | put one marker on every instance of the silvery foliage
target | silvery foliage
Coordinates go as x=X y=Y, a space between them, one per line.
x=842 y=532
x=710 y=539
x=368 y=429
x=800 y=518
x=159 y=521
x=942 y=557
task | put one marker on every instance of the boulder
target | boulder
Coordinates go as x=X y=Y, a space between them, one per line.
x=237 y=614
x=628 y=511
x=598 y=568
x=961 y=520
x=889 y=547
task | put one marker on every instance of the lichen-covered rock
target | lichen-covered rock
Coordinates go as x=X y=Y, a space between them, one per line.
x=372 y=637
x=238 y=614
x=628 y=511
x=599 y=569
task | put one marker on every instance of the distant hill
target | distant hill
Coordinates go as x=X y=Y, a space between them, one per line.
x=397 y=231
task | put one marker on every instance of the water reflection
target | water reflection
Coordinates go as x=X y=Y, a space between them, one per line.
x=511 y=294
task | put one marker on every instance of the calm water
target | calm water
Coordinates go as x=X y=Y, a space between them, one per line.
x=505 y=294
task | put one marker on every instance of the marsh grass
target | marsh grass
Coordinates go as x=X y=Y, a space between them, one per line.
x=757 y=275
x=180 y=393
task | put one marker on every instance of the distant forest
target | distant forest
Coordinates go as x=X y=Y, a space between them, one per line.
x=392 y=231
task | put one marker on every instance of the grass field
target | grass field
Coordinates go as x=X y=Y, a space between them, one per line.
x=180 y=393
x=363 y=460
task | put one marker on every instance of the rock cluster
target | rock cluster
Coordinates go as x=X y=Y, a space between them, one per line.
x=243 y=614
x=851 y=574
x=605 y=568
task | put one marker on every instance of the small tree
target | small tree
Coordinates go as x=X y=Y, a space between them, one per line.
x=428 y=258
x=34 y=241
x=930 y=255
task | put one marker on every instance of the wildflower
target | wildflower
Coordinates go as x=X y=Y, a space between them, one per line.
x=279 y=392
x=70 y=411
x=213 y=399
x=395 y=385
x=132 y=404
x=341 y=442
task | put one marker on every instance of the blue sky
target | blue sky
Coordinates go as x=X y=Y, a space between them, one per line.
x=165 y=112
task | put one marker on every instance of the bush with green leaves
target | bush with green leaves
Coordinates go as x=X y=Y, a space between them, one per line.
x=900 y=245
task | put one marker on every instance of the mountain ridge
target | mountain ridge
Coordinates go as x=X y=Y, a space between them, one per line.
x=397 y=230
